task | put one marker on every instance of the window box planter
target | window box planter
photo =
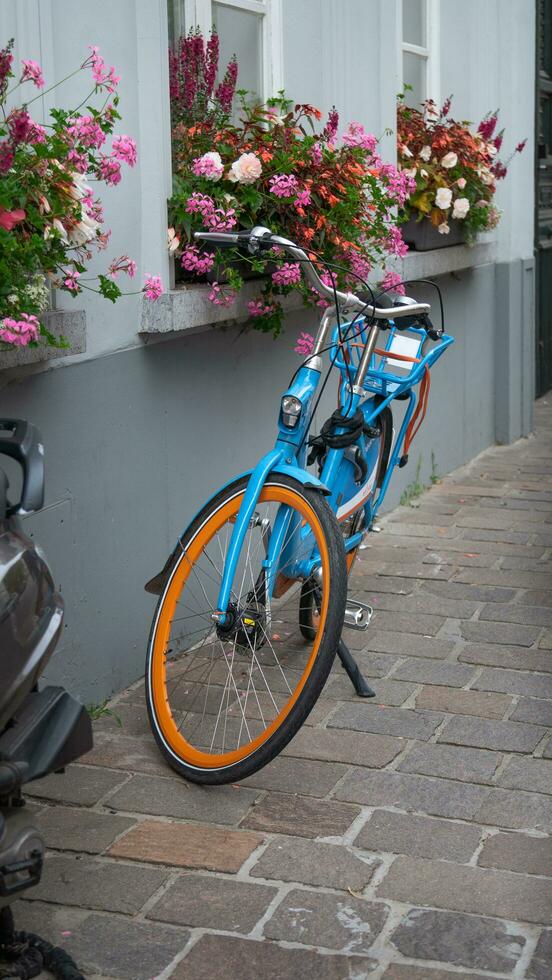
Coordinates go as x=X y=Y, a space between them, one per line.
x=70 y=324
x=422 y=236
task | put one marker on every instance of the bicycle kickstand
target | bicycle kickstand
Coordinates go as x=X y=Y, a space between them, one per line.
x=350 y=665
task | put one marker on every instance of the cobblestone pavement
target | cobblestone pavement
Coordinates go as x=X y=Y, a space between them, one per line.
x=416 y=848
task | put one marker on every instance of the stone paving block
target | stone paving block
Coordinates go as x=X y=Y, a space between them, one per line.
x=532 y=775
x=288 y=775
x=101 y=885
x=401 y=722
x=428 y=672
x=177 y=798
x=536 y=597
x=504 y=579
x=513 y=612
x=540 y=966
x=313 y=863
x=401 y=833
x=361 y=580
x=301 y=816
x=462 y=590
x=516 y=810
x=426 y=602
x=187 y=845
x=408 y=644
x=405 y=971
x=415 y=570
x=482 y=704
x=320 y=919
x=461 y=940
x=547 y=754
x=540 y=565
x=533 y=710
x=515 y=682
x=487 y=534
x=437 y=797
x=224 y=957
x=70 y=829
x=214 y=903
x=320 y=711
x=129 y=753
x=508 y=633
x=357 y=749
x=502 y=736
x=125 y=718
x=450 y=762
x=79 y=785
x=48 y=920
x=389 y=692
x=516 y=658
x=427 y=625
x=116 y=947
x=461 y=888
x=517 y=852
x=545 y=642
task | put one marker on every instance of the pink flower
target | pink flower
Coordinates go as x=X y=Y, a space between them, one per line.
x=221 y=220
x=124 y=148
x=153 y=287
x=70 y=281
x=6 y=59
x=284 y=185
x=289 y=274
x=195 y=261
x=394 y=242
x=392 y=281
x=209 y=165
x=32 y=72
x=305 y=344
x=86 y=130
x=257 y=307
x=220 y=297
x=330 y=129
x=99 y=71
x=359 y=265
x=20 y=332
x=78 y=160
x=246 y=169
x=303 y=198
x=357 y=136
x=487 y=126
x=20 y=125
x=8 y=219
x=200 y=204
x=122 y=264
x=315 y=154
x=6 y=157
x=110 y=171
x=521 y=146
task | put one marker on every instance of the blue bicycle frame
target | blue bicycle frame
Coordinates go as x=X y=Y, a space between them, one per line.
x=380 y=386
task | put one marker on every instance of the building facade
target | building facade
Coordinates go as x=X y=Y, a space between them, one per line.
x=153 y=409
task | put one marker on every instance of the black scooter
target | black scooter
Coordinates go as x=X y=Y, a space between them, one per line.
x=41 y=730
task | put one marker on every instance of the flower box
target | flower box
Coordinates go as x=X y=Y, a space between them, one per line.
x=423 y=236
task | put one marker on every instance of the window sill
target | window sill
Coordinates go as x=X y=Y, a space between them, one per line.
x=440 y=261
x=188 y=309
x=67 y=323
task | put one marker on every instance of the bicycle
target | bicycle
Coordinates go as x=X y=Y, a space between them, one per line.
x=253 y=599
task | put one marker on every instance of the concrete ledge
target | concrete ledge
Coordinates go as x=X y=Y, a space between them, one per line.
x=440 y=261
x=62 y=323
x=189 y=309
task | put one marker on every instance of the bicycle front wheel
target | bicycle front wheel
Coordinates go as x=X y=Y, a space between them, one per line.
x=223 y=701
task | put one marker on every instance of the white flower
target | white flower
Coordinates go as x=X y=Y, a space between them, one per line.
x=486 y=175
x=443 y=229
x=461 y=183
x=449 y=160
x=423 y=172
x=173 y=240
x=461 y=207
x=491 y=148
x=443 y=198
x=246 y=169
x=411 y=172
x=83 y=231
x=212 y=166
x=57 y=225
x=425 y=153
x=406 y=152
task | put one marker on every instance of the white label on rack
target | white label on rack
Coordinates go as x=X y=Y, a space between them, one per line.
x=409 y=346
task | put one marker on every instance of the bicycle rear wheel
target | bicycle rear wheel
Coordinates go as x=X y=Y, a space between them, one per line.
x=223 y=702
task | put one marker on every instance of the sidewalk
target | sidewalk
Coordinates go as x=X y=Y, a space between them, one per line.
x=402 y=838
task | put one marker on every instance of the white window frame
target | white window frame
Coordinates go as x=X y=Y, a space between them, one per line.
x=430 y=52
x=200 y=13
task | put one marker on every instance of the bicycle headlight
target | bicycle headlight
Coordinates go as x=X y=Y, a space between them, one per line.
x=291 y=411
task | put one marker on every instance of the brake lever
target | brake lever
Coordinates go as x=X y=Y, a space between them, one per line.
x=432 y=333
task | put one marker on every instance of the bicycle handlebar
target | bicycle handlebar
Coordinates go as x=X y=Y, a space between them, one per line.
x=261 y=239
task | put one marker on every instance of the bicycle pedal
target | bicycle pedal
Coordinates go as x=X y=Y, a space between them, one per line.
x=357 y=615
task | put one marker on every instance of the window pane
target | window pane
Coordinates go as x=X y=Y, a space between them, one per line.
x=414 y=27
x=175 y=11
x=414 y=74
x=240 y=34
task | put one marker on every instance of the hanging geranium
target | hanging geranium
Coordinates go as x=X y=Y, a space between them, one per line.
x=326 y=189
x=455 y=170
x=51 y=220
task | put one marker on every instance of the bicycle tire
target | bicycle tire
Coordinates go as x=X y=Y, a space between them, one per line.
x=183 y=758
